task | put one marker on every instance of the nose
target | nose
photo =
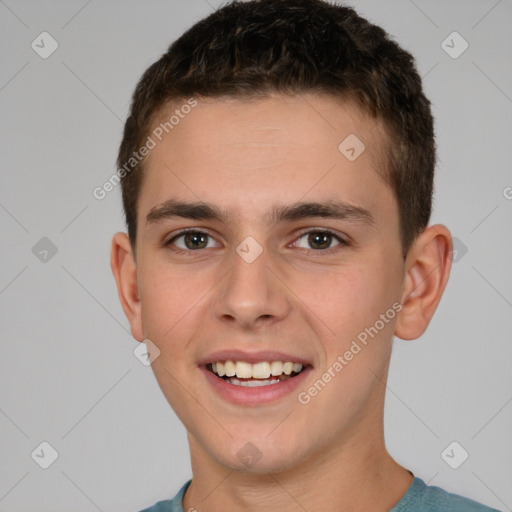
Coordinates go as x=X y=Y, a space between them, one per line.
x=251 y=294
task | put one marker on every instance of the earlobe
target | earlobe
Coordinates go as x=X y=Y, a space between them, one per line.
x=124 y=269
x=427 y=270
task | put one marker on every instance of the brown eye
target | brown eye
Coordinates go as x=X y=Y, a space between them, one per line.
x=191 y=241
x=318 y=240
x=195 y=240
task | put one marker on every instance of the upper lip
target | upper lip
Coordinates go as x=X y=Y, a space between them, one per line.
x=252 y=357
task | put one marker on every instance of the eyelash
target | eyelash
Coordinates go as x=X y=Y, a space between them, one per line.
x=342 y=242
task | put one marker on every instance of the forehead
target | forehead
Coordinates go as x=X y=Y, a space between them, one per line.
x=320 y=121
x=248 y=152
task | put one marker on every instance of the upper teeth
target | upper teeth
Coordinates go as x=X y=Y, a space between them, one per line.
x=261 y=370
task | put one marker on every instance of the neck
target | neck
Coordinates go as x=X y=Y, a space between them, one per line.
x=357 y=474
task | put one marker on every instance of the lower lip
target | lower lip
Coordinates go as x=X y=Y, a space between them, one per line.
x=260 y=395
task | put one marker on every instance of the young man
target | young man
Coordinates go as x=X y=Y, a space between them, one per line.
x=277 y=169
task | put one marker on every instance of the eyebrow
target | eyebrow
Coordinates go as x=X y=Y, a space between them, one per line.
x=301 y=210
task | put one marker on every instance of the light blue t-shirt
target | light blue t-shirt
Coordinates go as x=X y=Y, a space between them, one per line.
x=420 y=497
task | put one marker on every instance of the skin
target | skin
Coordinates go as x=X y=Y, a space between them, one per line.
x=247 y=156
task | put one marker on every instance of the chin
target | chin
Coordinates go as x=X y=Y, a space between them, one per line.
x=258 y=466
x=256 y=455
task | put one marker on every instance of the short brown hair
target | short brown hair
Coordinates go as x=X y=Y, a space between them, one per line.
x=260 y=47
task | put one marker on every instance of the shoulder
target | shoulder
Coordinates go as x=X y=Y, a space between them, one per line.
x=425 y=498
x=161 y=506
x=174 y=505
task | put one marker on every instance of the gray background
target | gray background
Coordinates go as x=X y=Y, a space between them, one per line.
x=67 y=372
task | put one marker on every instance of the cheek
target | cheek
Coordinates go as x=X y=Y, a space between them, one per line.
x=168 y=304
x=342 y=297
x=351 y=299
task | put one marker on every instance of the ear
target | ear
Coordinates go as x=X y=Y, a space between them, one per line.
x=427 y=268
x=124 y=268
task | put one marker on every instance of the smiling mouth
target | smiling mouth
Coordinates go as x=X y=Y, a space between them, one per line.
x=241 y=373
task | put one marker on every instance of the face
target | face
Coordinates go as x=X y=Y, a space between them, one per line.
x=296 y=259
